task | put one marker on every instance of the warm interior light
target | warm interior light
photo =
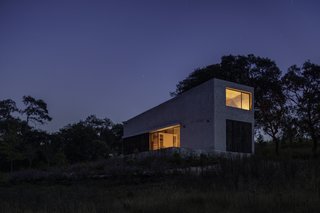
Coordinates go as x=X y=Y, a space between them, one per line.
x=238 y=99
x=245 y=101
x=165 y=138
x=233 y=98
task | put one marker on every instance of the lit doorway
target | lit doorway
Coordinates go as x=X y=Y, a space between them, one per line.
x=165 y=138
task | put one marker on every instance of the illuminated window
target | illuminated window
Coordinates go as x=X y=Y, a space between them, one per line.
x=238 y=99
x=165 y=138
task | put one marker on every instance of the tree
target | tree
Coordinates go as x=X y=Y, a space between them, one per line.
x=11 y=133
x=106 y=130
x=11 y=141
x=7 y=107
x=78 y=140
x=36 y=110
x=198 y=77
x=99 y=125
x=117 y=131
x=90 y=139
x=290 y=127
x=52 y=148
x=260 y=73
x=302 y=86
x=33 y=142
x=271 y=117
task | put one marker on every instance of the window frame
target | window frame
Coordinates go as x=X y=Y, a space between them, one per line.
x=241 y=95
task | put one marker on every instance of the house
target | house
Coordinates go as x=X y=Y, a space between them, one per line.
x=215 y=116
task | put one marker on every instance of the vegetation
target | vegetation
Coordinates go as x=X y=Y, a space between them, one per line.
x=24 y=146
x=302 y=86
x=261 y=183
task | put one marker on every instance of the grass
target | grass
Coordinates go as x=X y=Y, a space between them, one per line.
x=163 y=196
x=255 y=184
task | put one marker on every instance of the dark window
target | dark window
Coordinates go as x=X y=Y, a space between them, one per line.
x=137 y=143
x=239 y=136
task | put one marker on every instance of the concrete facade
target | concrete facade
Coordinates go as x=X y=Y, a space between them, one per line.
x=222 y=112
x=201 y=113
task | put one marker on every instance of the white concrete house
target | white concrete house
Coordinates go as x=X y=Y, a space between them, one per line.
x=214 y=116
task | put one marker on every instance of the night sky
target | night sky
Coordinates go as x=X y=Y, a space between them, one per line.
x=118 y=58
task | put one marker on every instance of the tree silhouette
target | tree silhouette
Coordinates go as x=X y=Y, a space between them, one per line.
x=36 y=110
x=11 y=141
x=302 y=86
x=7 y=107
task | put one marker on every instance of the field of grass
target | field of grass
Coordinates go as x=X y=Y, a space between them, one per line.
x=159 y=196
x=255 y=184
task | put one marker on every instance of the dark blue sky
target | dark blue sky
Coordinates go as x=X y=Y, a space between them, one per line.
x=118 y=58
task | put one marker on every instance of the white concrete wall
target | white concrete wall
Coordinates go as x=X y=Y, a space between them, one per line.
x=223 y=112
x=193 y=110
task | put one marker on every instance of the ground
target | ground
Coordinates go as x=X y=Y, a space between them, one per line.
x=255 y=184
x=159 y=196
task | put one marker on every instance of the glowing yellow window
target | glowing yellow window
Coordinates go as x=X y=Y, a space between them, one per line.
x=245 y=97
x=164 y=138
x=238 y=99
